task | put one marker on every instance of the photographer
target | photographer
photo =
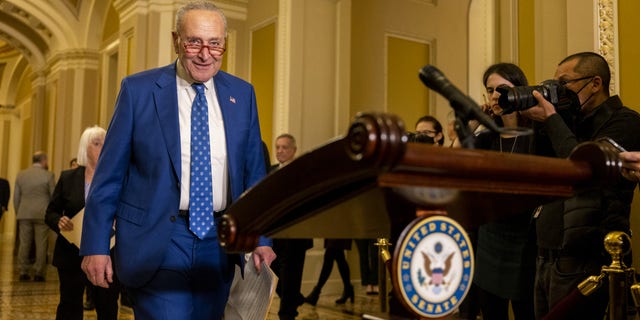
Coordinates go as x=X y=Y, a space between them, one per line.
x=505 y=250
x=570 y=233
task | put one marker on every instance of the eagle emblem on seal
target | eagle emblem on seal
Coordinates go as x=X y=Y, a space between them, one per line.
x=436 y=266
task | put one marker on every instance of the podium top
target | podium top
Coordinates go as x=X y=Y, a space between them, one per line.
x=343 y=189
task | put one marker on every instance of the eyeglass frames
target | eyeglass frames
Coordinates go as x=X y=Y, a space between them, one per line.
x=195 y=46
x=566 y=82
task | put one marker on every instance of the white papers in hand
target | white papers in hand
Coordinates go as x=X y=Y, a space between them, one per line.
x=251 y=297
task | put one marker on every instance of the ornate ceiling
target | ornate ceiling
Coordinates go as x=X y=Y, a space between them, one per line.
x=23 y=30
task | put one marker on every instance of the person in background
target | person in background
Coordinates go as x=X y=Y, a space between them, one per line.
x=183 y=144
x=89 y=288
x=73 y=163
x=32 y=193
x=289 y=265
x=428 y=130
x=285 y=150
x=368 y=253
x=334 y=251
x=505 y=250
x=451 y=130
x=430 y=127
x=474 y=126
x=5 y=193
x=570 y=233
x=68 y=200
x=395 y=202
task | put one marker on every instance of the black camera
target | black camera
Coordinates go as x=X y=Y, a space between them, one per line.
x=521 y=97
x=419 y=137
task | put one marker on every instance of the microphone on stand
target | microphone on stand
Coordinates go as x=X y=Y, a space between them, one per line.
x=461 y=103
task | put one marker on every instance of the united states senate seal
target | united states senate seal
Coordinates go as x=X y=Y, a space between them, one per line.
x=433 y=267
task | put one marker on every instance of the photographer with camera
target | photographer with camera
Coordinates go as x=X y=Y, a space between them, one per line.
x=505 y=251
x=570 y=232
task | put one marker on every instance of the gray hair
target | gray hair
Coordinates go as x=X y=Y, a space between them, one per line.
x=87 y=136
x=38 y=157
x=198 y=5
x=288 y=136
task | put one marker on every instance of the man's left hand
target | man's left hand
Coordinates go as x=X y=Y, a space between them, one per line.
x=263 y=253
x=631 y=165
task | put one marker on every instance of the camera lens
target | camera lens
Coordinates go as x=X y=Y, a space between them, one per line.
x=521 y=97
x=518 y=98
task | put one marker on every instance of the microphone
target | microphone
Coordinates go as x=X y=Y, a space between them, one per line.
x=435 y=80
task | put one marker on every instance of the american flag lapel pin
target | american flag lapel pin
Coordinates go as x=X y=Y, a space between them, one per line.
x=232 y=99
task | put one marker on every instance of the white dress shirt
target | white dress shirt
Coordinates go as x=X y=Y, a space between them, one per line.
x=217 y=138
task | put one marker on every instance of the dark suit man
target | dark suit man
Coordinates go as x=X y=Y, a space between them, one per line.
x=142 y=181
x=291 y=252
x=5 y=191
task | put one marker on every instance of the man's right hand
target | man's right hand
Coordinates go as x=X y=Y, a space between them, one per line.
x=540 y=112
x=98 y=269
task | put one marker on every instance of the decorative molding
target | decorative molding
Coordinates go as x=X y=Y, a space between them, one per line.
x=6 y=111
x=608 y=38
x=482 y=38
x=129 y=8
x=38 y=79
x=74 y=59
x=15 y=44
x=232 y=46
x=26 y=18
x=282 y=85
x=234 y=9
x=430 y=2
x=73 y=6
x=7 y=51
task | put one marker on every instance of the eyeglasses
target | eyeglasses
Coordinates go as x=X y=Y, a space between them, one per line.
x=426 y=132
x=564 y=83
x=195 y=46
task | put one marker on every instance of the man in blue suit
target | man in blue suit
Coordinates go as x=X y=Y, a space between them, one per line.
x=142 y=181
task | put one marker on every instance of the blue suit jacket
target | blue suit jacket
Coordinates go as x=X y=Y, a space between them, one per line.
x=137 y=180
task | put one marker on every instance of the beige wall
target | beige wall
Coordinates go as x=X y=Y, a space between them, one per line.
x=425 y=22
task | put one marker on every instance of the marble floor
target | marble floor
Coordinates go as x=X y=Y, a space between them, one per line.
x=38 y=300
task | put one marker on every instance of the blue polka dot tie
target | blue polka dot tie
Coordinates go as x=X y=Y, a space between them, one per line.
x=201 y=195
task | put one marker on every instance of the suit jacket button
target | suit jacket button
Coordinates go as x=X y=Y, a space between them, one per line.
x=173 y=218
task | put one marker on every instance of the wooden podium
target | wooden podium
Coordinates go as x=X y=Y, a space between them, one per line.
x=372 y=180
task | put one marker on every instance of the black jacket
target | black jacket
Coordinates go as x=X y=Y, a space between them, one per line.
x=5 y=191
x=594 y=210
x=67 y=200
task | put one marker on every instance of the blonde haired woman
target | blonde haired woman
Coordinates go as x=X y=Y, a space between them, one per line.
x=68 y=199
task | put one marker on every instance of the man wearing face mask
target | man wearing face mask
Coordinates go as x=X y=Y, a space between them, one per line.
x=570 y=232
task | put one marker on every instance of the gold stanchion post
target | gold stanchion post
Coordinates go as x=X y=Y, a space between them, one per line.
x=384 y=256
x=617 y=244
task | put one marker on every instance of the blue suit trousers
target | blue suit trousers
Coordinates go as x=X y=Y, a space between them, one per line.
x=193 y=282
